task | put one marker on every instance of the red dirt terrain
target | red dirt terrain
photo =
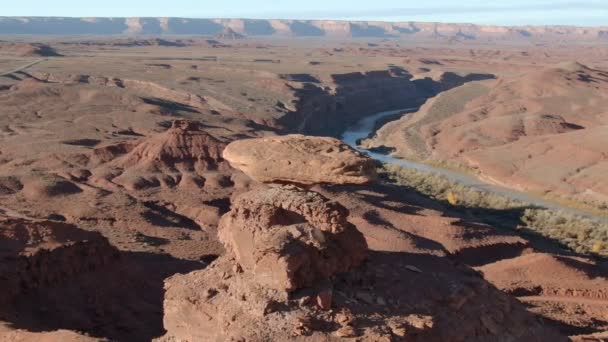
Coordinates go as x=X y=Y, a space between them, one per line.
x=129 y=201
x=516 y=131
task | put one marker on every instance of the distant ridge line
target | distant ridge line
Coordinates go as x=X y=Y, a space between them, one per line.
x=294 y=28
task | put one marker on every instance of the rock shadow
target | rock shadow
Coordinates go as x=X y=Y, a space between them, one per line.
x=121 y=302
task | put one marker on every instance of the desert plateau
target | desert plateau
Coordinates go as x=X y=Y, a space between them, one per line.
x=172 y=179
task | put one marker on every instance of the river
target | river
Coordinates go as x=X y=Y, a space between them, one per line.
x=366 y=126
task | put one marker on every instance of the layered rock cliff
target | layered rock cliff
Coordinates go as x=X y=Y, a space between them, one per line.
x=251 y=27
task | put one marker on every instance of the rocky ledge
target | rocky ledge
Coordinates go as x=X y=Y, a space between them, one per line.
x=299 y=159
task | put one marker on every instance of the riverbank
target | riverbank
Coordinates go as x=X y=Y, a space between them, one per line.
x=574 y=229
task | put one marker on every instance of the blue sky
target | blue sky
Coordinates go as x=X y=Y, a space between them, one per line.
x=505 y=12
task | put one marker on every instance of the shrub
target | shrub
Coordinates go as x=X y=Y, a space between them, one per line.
x=580 y=234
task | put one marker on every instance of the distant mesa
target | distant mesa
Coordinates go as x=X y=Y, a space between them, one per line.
x=229 y=34
x=152 y=42
x=447 y=32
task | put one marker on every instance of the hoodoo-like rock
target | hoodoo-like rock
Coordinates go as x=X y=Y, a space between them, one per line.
x=290 y=238
x=182 y=147
x=294 y=267
x=284 y=245
x=301 y=160
x=183 y=155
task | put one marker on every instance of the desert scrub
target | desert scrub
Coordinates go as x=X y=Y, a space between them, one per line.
x=580 y=234
x=443 y=189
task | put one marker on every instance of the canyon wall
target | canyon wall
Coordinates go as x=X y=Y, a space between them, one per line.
x=329 y=110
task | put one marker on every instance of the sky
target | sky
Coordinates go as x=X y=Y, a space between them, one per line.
x=495 y=12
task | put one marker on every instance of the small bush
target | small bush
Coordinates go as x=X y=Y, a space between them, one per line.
x=577 y=233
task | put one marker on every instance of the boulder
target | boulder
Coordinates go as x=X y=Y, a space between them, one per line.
x=300 y=159
x=291 y=238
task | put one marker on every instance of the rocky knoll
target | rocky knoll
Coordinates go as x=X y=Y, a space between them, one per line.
x=183 y=147
x=57 y=279
x=280 y=241
x=27 y=49
x=36 y=257
x=183 y=155
x=300 y=159
x=295 y=269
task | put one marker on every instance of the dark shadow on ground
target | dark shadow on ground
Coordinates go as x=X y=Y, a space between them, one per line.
x=122 y=301
x=456 y=300
x=161 y=216
x=171 y=106
x=504 y=221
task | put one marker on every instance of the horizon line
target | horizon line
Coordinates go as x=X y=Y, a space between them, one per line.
x=308 y=20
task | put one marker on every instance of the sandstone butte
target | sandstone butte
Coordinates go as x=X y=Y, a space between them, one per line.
x=299 y=159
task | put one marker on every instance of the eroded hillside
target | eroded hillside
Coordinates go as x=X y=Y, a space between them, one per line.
x=129 y=195
x=544 y=131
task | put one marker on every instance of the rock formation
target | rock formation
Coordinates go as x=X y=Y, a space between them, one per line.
x=294 y=270
x=301 y=160
x=289 y=239
x=182 y=147
x=229 y=34
x=445 y=32
x=182 y=155
x=282 y=241
x=40 y=254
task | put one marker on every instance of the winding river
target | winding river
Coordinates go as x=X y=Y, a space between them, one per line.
x=365 y=127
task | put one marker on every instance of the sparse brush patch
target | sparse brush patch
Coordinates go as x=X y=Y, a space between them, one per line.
x=577 y=233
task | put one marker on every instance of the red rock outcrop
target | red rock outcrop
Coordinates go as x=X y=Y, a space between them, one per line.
x=8 y=334
x=289 y=239
x=38 y=254
x=28 y=49
x=301 y=160
x=294 y=270
x=182 y=155
x=541 y=274
x=182 y=147
x=279 y=241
